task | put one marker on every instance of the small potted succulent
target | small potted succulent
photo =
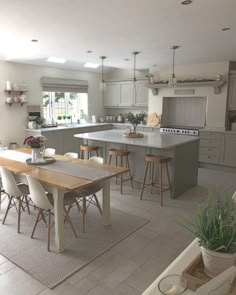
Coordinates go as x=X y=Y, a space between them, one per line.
x=39 y=121
x=135 y=119
x=215 y=228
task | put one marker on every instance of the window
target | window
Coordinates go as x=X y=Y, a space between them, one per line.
x=56 y=104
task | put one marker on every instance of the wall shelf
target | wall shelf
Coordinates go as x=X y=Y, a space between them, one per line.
x=21 y=103
x=216 y=85
x=15 y=91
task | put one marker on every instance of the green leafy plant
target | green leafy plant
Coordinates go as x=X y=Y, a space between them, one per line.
x=59 y=117
x=64 y=117
x=68 y=117
x=215 y=224
x=39 y=120
x=135 y=119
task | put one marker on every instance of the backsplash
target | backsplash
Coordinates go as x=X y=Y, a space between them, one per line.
x=184 y=111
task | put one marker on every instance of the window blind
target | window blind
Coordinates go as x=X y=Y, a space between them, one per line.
x=64 y=85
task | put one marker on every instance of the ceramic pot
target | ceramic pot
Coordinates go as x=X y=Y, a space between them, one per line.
x=35 y=155
x=216 y=262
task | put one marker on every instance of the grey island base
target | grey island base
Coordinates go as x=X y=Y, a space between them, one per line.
x=183 y=151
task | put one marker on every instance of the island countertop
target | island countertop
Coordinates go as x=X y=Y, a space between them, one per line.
x=152 y=140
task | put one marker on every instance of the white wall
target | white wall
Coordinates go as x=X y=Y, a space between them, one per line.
x=216 y=106
x=13 y=119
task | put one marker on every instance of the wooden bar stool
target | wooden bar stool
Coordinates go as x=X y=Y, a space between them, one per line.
x=151 y=160
x=89 y=149
x=121 y=154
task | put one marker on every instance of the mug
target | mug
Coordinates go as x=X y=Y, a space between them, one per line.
x=9 y=99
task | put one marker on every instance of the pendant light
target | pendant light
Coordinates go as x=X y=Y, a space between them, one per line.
x=102 y=84
x=135 y=53
x=173 y=80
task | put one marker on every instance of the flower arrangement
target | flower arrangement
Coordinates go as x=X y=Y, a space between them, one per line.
x=34 y=141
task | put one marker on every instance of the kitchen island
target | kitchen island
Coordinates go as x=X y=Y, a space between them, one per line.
x=183 y=151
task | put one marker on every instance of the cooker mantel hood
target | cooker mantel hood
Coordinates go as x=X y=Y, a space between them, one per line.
x=215 y=84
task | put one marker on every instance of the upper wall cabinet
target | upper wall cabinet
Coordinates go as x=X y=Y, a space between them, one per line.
x=232 y=92
x=125 y=94
x=111 y=94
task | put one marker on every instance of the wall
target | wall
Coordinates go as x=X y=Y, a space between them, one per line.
x=216 y=103
x=13 y=119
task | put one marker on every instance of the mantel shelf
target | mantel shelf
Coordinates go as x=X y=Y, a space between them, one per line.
x=215 y=84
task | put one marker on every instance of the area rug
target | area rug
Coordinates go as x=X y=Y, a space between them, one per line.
x=52 y=268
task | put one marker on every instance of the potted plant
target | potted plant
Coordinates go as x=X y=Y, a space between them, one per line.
x=215 y=228
x=135 y=119
x=39 y=121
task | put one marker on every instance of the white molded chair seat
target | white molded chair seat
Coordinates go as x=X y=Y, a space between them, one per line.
x=234 y=196
x=44 y=201
x=49 y=152
x=14 y=191
x=72 y=155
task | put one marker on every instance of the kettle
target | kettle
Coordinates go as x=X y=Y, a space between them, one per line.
x=120 y=118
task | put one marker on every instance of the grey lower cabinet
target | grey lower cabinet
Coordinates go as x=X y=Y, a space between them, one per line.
x=217 y=148
x=230 y=150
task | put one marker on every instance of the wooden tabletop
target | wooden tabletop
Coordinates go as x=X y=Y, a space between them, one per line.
x=60 y=180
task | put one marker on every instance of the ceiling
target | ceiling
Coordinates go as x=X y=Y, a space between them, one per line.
x=69 y=28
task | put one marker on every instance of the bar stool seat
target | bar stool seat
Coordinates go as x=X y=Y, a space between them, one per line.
x=120 y=154
x=159 y=160
x=89 y=149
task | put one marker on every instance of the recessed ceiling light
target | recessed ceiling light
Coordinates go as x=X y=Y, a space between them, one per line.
x=225 y=29
x=154 y=65
x=56 y=60
x=91 y=65
x=89 y=51
x=186 y=2
x=127 y=59
x=34 y=40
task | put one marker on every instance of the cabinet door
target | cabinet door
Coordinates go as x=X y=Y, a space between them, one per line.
x=232 y=92
x=111 y=94
x=141 y=89
x=126 y=94
x=229 y=150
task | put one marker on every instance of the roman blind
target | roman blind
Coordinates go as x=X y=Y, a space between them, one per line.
x=64 y=85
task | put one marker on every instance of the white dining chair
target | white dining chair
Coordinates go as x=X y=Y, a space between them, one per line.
x=48 y=152
x=72 y=155
x=44 y=202
x=234 y=196
x=88 y=196
x=16 y=192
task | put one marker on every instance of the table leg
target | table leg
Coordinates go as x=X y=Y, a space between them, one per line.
x=106 y=213
x=58 y=197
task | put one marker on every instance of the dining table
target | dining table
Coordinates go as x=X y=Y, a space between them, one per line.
x=64 y=175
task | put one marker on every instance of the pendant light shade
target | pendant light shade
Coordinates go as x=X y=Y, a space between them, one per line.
x=135 y=53
x=173 y=80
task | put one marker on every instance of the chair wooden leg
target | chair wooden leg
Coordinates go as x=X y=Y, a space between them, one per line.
x=121 y=176
x=19 y=213
x=116 y=165
x=97 y=153
x=49 y=229
x=152 y=175
x=27 y=204
x=110 y=160
x=144 y=179
x=131 y=179
x=81 y=154
x=168 y=176
x=70 y=222
x=36 y=222
x=84 y=213
x=8 y=208
x=160 y=167
x=98 y=204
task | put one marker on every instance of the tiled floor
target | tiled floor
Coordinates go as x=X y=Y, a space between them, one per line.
x=130 y=266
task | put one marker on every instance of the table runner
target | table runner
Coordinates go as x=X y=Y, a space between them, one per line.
x=77 y=170
x=14 y=155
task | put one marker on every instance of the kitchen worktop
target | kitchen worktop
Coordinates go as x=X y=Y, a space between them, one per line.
x=69 y=126
x=152 y=140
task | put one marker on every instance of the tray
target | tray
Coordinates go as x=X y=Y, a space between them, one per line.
x=194 y=274
x=44 y=161
x=133 y=135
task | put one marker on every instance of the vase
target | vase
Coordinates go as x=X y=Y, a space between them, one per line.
x=216 y=262
x=134 y=126
x=35 y=155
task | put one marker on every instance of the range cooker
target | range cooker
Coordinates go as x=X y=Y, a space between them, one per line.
x=180 y=131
